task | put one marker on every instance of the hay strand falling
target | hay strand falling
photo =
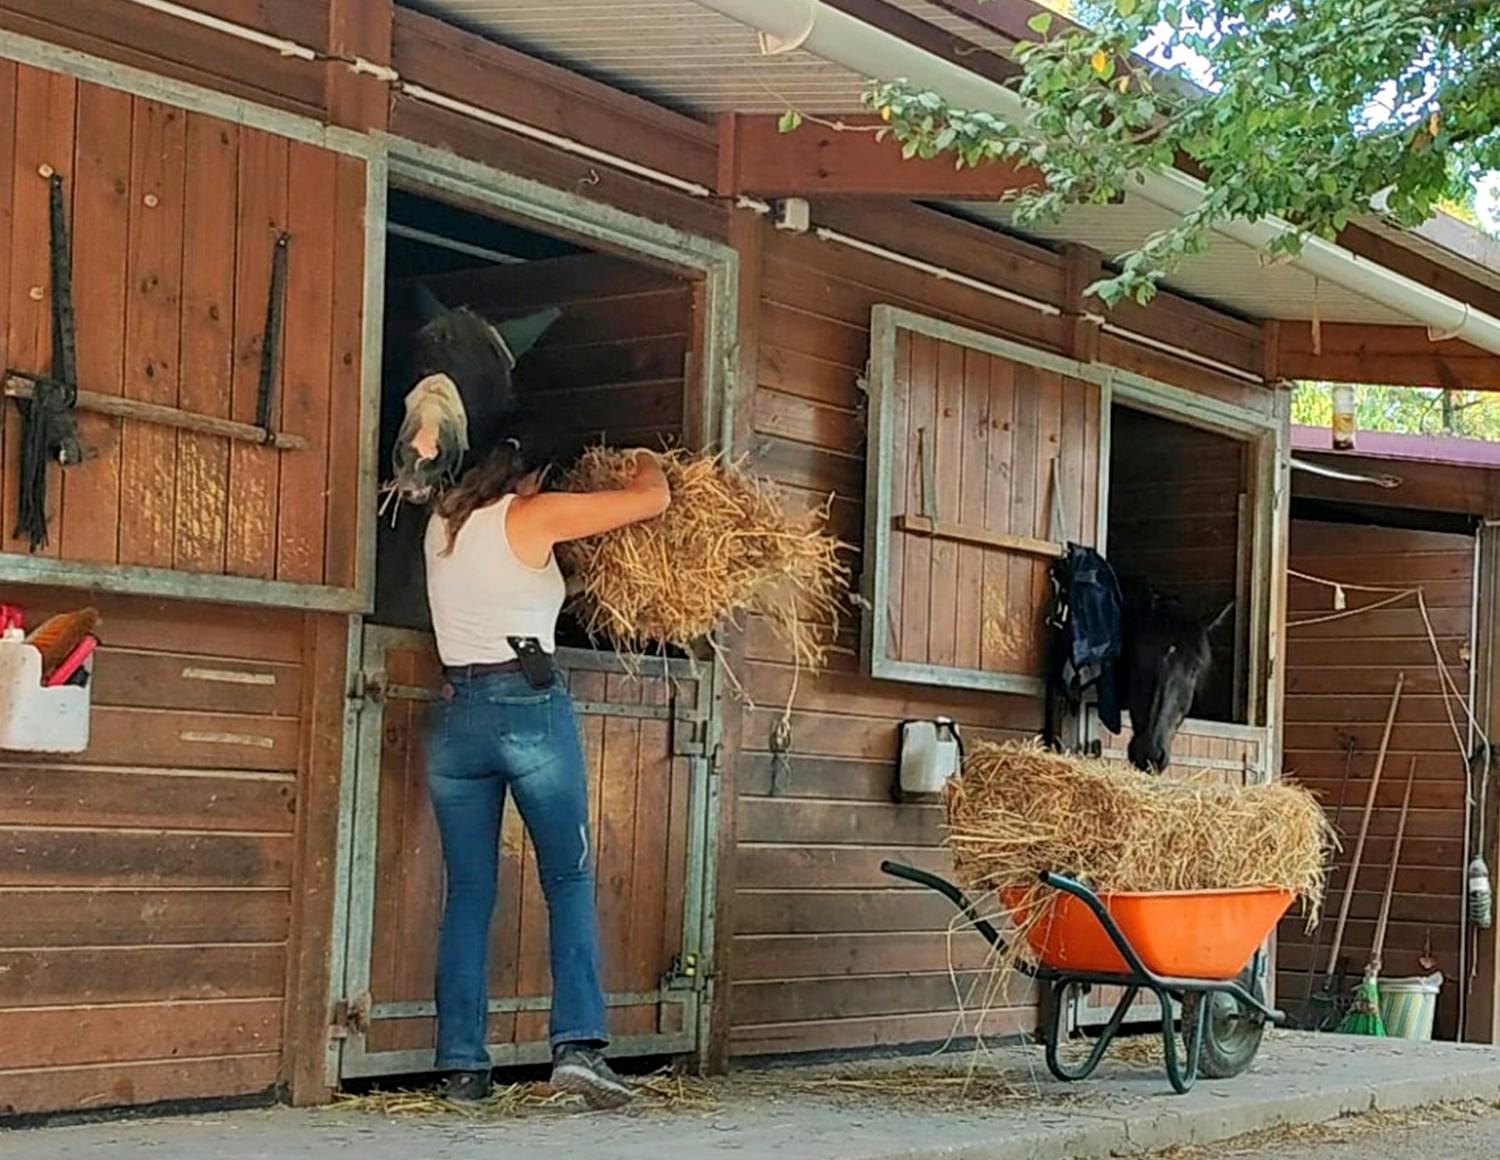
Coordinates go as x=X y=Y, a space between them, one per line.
x=726 y=548
x=1018 y=809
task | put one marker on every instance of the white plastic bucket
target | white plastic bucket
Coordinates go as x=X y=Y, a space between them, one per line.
x=1407 y=1006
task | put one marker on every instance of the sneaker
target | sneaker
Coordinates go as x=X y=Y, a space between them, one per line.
x=581 y=1071
x=466 y=1086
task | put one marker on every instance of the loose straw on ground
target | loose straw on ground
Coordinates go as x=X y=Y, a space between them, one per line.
x=665 y=1090
x=726 y=548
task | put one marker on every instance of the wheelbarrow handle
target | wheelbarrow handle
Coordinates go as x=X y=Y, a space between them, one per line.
x=1086 y=896
x=949 y=891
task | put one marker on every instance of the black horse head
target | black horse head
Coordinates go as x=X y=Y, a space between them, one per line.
x=461 y=400
x=1164 y=662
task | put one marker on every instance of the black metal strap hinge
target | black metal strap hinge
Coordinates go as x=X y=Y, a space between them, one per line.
x=49 y=431
x=270 y=348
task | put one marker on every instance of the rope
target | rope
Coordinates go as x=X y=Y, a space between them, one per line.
x=1445 y=678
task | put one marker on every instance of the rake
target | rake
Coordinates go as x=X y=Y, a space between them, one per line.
x=1364 y=1016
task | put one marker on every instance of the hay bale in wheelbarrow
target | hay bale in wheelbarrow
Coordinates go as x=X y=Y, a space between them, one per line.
x=1193 y=873
x=1017 y=810
x=725 y=549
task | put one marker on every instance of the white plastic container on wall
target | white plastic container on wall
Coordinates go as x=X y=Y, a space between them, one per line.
x=35 y=719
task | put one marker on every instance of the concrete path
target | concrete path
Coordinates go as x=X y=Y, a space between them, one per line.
x=908 y=1110
x=1448 y=1132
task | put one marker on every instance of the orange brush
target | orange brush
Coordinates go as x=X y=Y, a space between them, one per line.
x=57 y=637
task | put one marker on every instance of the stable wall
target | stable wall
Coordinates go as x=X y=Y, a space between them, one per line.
x=152 y=884
x=1340 y=676
x=827 y=953
x=815 y=951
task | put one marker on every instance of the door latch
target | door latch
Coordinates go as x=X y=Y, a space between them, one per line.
x=352 y=1016
x=684 y=974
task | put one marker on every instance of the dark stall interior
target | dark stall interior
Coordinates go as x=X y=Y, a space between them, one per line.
x=613 y=369
x=1181 y=517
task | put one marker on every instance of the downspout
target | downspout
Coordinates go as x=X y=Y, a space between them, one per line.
x=834 y=35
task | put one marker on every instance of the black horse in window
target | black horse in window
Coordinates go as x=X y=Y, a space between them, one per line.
x=1141 y=650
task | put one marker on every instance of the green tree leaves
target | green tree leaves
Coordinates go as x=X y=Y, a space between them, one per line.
x=1313 y=109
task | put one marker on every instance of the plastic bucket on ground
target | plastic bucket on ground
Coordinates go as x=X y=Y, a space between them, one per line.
x=1408 y=1006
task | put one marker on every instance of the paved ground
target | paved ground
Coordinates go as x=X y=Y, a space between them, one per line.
x=1469 y=1131
x=909 y=1110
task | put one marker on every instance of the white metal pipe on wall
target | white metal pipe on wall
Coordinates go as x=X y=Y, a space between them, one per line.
x=836 y=36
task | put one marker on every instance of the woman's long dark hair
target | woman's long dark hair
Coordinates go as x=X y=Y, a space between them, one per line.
x=504 y=471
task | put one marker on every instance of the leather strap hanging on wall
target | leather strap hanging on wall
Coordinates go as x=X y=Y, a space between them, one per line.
x=48 y=429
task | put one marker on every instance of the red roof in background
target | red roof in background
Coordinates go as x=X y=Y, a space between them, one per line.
x=1385 y=445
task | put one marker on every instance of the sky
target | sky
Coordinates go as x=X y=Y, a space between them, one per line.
x=1487 y=189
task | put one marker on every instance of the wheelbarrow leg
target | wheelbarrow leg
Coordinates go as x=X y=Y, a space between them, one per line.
x=1057 y=1022
x=1182 y=1076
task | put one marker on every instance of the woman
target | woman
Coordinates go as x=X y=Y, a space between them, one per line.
x=505 y=724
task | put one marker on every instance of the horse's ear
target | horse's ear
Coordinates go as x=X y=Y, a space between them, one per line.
x=1217 y=622
x=521 y=334
x=429 y=308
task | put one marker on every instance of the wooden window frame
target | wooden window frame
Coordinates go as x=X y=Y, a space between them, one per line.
x=1265 y=434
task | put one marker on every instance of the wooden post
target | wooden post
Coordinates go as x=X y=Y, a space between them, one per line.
x=1082 y=267
x=309 y=1002
x=746 y=234
x=358 y=29
x=1270 y=368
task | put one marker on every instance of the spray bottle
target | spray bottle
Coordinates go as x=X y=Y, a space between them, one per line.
x=1481 y=898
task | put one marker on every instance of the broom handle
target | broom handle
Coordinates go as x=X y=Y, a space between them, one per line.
x=1390 y=879
x=1364 y=826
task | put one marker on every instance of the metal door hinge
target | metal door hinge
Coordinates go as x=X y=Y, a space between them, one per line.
x=687 y=973
x=352 y=1016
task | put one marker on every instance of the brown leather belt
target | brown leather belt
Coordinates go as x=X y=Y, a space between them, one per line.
x=468 y=672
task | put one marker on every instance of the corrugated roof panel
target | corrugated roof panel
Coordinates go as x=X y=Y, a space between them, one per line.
x=674 y=52
x=687 y=57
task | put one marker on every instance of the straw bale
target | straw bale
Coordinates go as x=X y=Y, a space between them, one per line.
x=724 y=549
x=1019 y=809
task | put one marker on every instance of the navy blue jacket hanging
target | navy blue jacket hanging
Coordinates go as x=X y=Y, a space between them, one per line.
x=1087 y=625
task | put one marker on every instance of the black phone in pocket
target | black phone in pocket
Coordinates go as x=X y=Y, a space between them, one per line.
x=535 y=662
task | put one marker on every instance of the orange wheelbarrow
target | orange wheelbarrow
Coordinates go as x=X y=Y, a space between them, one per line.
x=1200 y=948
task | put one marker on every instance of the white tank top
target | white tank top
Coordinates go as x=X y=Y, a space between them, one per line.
x=481 y=593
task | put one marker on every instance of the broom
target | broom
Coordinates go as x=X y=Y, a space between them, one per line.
x=1364 y=1015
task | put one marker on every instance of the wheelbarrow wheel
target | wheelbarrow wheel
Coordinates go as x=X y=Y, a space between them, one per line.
x=1232 y=1032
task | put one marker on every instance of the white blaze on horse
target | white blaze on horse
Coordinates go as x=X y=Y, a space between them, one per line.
x=449 y=398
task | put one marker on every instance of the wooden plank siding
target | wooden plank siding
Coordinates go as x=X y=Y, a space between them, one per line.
x=147 y=883
x=828 y=953
x=156 y=42
x=175 y=215
x=1340 y=678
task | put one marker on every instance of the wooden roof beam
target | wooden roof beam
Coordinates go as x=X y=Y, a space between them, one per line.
x=758 y=160
x=1383 y=356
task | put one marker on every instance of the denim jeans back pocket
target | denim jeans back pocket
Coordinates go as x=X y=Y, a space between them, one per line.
x=520 y=719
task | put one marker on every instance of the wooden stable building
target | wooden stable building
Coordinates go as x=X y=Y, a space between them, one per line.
x=1398 y=514
x=235 y=890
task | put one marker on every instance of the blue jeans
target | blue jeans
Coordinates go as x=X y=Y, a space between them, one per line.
x=499 y=734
